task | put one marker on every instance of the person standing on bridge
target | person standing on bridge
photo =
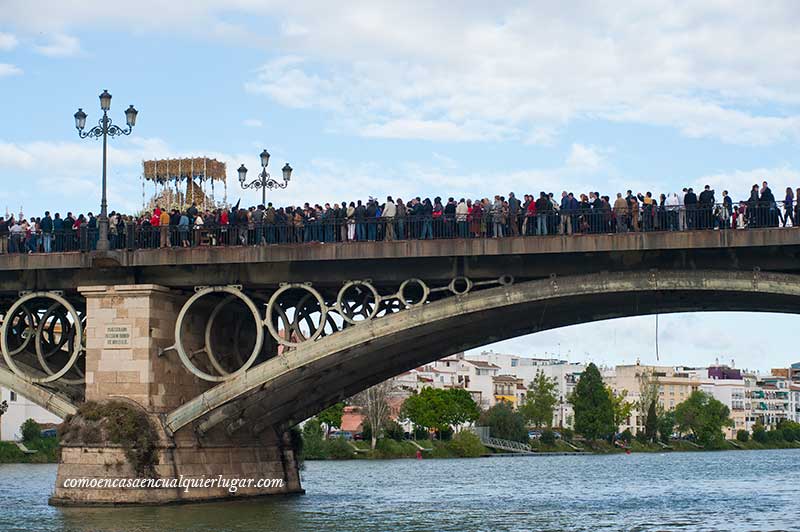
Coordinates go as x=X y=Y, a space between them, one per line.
x=47 y=232
x=788 y=207
x=163 y=226
x=389 y=212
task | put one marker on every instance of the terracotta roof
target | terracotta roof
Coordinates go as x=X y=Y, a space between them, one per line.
x=506 y=378
x=481 y=364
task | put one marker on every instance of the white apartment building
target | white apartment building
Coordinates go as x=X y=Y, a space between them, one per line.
x=19 y=410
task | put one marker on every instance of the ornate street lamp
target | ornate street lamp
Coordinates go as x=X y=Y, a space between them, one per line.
x=104 y=129
x=264 y=181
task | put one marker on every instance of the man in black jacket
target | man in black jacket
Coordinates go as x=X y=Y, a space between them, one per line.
x=706 y=208
x=46 y=225
x=690 y=203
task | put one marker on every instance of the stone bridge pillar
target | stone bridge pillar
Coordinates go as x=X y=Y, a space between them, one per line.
x=127 y=330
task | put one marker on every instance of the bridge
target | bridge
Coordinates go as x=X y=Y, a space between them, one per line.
x=224 y=349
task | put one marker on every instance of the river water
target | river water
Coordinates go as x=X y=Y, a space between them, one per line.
x=756 y=490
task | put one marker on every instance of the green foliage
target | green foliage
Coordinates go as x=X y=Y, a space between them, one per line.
x=548 y=437
x=759 y=433
x=626 y=436
x=567 y=434
x=594 y=410
x=338 y=449
x=666 y=425
x=621 y=407
x=440 y=409
x=641 y=437
x=774 y=436
x=505 y=423
x=30 y=430
x=651 y=423
x=331 y=417
x=393 y=430
x=119 y=423
x=421 y=433
x=445 y=434
x=540 y=401
x=704 y=416
x=742 y=435
x=312 y=446
x=791 y=430
x=366 y=430
x=466 y=444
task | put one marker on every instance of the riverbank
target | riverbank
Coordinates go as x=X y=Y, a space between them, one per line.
x=391 y=449
x=46 y=452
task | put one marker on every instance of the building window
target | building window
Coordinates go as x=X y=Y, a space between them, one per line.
x=12 y=396
x=514 y=362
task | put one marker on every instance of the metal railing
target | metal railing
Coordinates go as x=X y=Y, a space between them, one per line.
x=487 y=224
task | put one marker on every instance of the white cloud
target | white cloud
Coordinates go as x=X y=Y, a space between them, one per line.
x=60 y=45
x=7 y=69
x=584 y=157
x=7 y=42
x=519 y=71
x=252 y=122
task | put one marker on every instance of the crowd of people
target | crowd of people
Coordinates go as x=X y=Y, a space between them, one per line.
x=396 y=219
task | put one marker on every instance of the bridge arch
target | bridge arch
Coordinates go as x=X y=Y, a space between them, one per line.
x=295 y=385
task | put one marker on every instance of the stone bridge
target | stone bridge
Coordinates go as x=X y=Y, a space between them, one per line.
x=224 y=349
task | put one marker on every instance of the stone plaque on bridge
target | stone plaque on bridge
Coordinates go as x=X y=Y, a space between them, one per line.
x=117 y=337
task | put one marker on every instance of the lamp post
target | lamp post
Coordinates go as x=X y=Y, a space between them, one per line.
x=104 y=129
x=264 y=181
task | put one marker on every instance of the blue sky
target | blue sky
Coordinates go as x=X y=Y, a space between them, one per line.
x=377 y=98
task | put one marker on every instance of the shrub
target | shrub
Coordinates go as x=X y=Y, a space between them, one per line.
x=641 y=437
x=467 y=444
x=759 y=433
x=394 y=431
x=548 y=437
x=775 y=436
x=742 y=435
x=567 y=434
x=338 y=449
x=445 y=434
x=120 y=423
x=30 y=430
x=421 y=433
x=626 y=436
x=788 y=434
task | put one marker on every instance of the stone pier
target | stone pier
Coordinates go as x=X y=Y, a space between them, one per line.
x=128 y=326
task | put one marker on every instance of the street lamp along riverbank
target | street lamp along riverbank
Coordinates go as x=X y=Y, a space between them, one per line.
x=104 y=129
x=264 y=181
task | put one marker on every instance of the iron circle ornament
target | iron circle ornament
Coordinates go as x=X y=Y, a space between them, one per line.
x=77 y=346
x=460 y=285
x=47 y=344
x=347 y=312
x=299 y=316
x=401 y=294
x=259 y=341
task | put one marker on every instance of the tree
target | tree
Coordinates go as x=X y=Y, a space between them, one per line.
x=439 y=409
x=374 y=403
x=742 y=435
x=704 y=416
x=622 y=408
x=594 y=410
x=759 y=433
x=505 y=423
x=30 y=430
x=666 y=425
x=331 y=417
x=651 y=423
x=540 y=401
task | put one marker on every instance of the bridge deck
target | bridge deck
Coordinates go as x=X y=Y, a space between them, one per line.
x=523 y=257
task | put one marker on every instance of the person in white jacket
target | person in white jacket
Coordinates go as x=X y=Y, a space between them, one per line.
x=389 y=212
x=461 y=218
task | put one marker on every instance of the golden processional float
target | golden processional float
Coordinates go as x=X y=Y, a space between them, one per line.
x=177 y=183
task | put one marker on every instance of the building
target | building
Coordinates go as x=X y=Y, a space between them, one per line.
x=770 y=399
x=675 y=385
x=19 y=410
